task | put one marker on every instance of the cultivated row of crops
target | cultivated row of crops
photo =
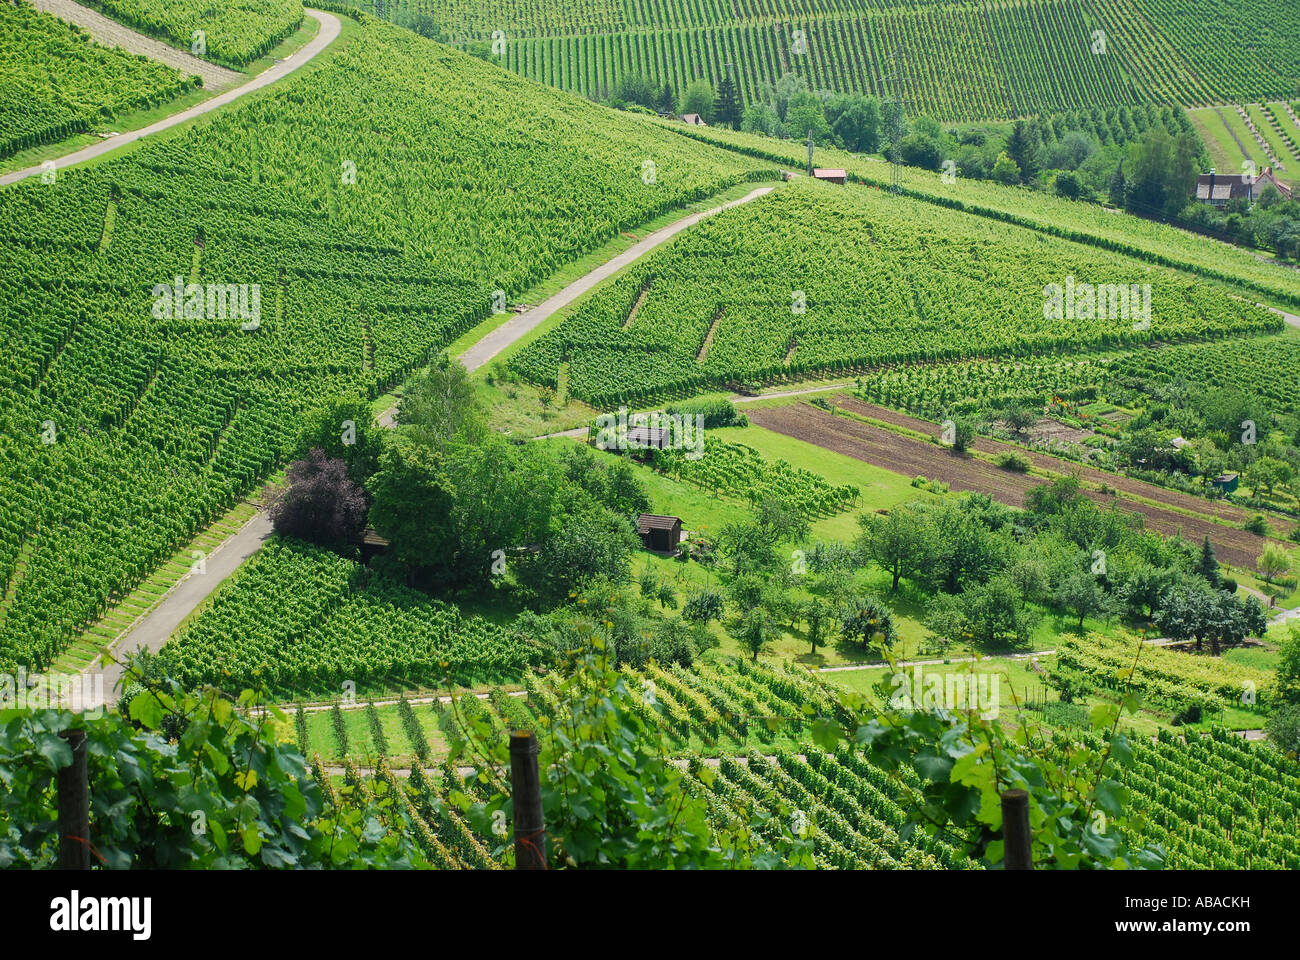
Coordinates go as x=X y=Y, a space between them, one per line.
x=1120 y=124
x=346 y=212
x=57 y=82
x=232 y=32
x=957 y=61
x=1215 y=802
x=818 y=278
x=1165 y=677
x=1156 y=243
x=736 y=470
x=938 y=390
x=1211 y=800
x=304 y=621
x=1265 y=367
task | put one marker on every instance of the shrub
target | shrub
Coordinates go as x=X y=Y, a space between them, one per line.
x=1014 y=462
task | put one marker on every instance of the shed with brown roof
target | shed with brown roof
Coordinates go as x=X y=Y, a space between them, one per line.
x=662 y=534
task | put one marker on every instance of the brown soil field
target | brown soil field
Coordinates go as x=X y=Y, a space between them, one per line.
x=909 y=457
x=1224 y=511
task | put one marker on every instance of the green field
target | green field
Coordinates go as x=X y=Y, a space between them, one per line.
x=1032 y=56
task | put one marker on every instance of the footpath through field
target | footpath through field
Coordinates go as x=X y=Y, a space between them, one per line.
x=329 y=31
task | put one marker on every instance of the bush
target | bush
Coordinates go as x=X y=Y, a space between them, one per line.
x=1014 y=462
x=1257 y=524
x=1066 y=715
x=717 y=411
x=919 y=480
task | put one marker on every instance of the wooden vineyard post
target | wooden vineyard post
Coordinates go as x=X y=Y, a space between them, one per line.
x=74 y=806
x=526 y=792
x=1017 y=842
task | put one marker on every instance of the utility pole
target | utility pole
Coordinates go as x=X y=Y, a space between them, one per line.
x=810 y=153
x=897 y=80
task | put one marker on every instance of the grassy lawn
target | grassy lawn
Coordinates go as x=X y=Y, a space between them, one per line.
x=515 y=409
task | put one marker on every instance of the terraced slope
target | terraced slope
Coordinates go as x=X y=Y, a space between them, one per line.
x=328 y=259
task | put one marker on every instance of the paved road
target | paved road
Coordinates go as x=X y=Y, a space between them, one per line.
x=514 y=328
x=329 y=30
x=152 y=631
x=110 y=33
x=509 y=332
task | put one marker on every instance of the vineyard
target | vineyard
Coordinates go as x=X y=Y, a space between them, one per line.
x=303 y=621
x=735 y=470
x=1165 y=677
x=58 y=82
x=1156 y=243
x=1217 y=803
x=955 y=61
x=234 y=32
x=939 y=390
x=362 y=235
x=896 y=281
x=1265 y=367
x=855 y=809
x=1212 y=800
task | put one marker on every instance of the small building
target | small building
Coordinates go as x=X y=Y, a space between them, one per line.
x=1227 y=482
x=1267 y=179
x=831 y=175
x=694 y=119
x=372 y=545
x=1216 y=190
x=641 y=440
x=661 y=534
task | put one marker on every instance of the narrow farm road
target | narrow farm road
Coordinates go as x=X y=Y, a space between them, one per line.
x=510 y=332
x=110 y=33
x=514 y=328
x=329 y=31
x=151 y=632
x=154 y=629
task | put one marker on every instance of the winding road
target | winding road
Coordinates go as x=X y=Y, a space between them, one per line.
x=328 y=32
x=153 y=630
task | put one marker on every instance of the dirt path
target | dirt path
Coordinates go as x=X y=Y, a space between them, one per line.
x=110 y=33
x=329 y=30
